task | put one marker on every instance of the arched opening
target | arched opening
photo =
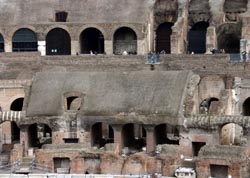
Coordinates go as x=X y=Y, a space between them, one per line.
x=246 y=107
x=228 y=38
x=163 y=37
x=17 y=105
x=44 y=134
x=24 y=40
x=197 y=38
x=101 y=134
x=15 y=133
x=74 y=103
x=58 y=42
x=92 y=40
x=125 y=40
x=133 y=137
x=231 y=134
x=166 y=134
x=210 y=106
x=39 y=134
x=1 y=43
x=33 y=136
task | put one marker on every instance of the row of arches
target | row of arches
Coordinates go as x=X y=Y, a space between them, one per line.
x=228 y=37
x=58 y=41
x=133 y=135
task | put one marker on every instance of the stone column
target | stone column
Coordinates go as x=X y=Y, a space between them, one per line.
x=24 y=139
x=118 y=136
x=150 y=138
x=75 y=47
x=7 y=45
x=211 y=38
x=42 y=47
x=108 y=47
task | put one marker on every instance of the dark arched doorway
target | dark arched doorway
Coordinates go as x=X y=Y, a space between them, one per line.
x=24 y=40
x=163 y=37
x=17 y=105
x=92 y=40
x=101 y=133
x=58 y=42
x=197 y=38
x=246 y=107
x=228 y=38
x=166 y=134
x=125 y=39
x=1 y=43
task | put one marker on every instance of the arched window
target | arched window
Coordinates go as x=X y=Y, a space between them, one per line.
x=92 y=40
x=72 y=101
x=17 y=105
x=209 y=106
x=163 y=37
x=24 y=40
x=58 y=42
x=1 y=43
x=228 y=38
x=125 y=39
x=197 y=38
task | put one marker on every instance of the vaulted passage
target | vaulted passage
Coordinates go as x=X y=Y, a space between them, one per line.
x=228 y=37
x=133 y=137
x=1 y=43
x=24 y=40
x=246 y=107
x=17 y=105
x=125 y=39
x=101 y=134
x=163 y=37
x=197 y=38
x=58 y=42
x=166 y=134
x=92 y=40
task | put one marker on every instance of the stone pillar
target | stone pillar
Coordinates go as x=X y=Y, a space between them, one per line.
x=42 y=47
x=108 y=47
x=150 y=138
x=24 y=139
x=75 y=48
x=118 y=136
x=216 y=8
x=141 y=48
x=211 y=38
x=8 y=45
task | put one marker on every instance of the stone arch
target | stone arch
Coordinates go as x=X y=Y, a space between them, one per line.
x=209 y=106
x=125 y=39
x=231 y=134
x=92 y=39
x=163 y=37
x=233 y=8
x=58 y=42
x=1 y=43
x=24 y=39
x=228 y=37
x=197 y=37
x=246 y=107
x=98 y=27
x=17 y=104
x=101 y=134
x=166 y=134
